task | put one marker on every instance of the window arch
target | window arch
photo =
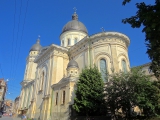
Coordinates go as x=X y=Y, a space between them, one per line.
x=57 y=98
x=42 y=80
x=75 y=40
x=124 y=66
x=62 y=42
x=103 y=68
x=63 y=97
x=69 y=41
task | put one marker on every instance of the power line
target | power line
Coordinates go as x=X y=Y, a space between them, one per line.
x=16 y=42
x=22 y=34
x=11 y=68
x=21 y=38
x=14 y=51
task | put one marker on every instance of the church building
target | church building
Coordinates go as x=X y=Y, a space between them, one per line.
x=48 y=87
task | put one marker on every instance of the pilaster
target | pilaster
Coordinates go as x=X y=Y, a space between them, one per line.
x=54 y=70
x=114 y=58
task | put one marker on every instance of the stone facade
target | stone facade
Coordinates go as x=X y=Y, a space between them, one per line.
x=15 y=107
x=52 y=71
x=9 y=106
x=146 y=69
x=2 y=93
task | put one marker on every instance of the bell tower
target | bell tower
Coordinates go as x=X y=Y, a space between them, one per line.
x=30 y=65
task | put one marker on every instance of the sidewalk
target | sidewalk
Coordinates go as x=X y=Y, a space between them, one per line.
x=15 y=118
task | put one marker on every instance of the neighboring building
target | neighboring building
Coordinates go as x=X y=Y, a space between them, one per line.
x=2 y=93
x=9 y=105
x=148 y=71
x=52 y=72
x=16 y=105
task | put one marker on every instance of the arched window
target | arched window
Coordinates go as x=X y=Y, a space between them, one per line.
x=57 y=98
x=103 y=69
x=75 y=40
x=124 y=67
x=63 y=97
x=42 y=80
x=69 y=41
x=62 y=42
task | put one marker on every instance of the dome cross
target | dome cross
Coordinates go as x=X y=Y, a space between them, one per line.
x=75 y=9
x=39 y=36
x=103 y=30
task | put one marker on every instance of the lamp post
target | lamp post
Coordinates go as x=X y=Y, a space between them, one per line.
x=8 y=105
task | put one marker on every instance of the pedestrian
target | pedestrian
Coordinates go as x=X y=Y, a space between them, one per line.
x=24 y=117
x=1 y=114
x=10 y=114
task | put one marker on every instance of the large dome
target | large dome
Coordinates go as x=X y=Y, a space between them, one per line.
x=36 y=47
x=74 y=24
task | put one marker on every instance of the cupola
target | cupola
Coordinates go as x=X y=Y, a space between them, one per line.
x=73 y=32
x=37 y=46
x=75 y=25
x=72 y=68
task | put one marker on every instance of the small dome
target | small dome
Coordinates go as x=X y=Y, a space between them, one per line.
x=74 y=24
x=36 y=47
x=73 y=64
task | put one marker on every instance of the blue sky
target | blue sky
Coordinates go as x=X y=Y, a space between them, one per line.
x=23 y=20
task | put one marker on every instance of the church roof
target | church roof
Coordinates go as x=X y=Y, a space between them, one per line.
x=44 y=51
x=36 y=47
x=65 y=80
x=74 y=24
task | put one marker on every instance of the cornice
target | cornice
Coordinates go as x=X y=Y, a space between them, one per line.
x=64 y=81
x=70 y=32
x=29 y=57
x=43 y=55
x=79 y=44
x=57 y=53
x=112 y=34
x=107 y=37
x=102 y=34
x=60 y=82
x=144 y=65
x=43 y=60
x=25 y=83
x=49 y=50
x=46 y=96
x=78 y=51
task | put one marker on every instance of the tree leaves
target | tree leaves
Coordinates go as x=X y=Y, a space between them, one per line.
x=90 y=93
x=148 y=16
x=125 y=1
x=125 y=91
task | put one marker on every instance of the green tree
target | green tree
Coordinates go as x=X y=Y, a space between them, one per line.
x=148 y=16
x=89 y=100
x=125 y=91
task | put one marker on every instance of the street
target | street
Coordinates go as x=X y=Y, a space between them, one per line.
x=6 y=118
x=9 y=118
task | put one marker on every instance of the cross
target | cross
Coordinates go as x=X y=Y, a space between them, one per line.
x=102 y=29
x=74 y=9
x=39 y=36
